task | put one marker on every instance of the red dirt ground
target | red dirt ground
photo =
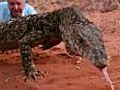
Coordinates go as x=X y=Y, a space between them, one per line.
x=62 y=72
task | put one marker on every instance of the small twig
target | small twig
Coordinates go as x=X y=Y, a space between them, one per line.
x=107 y=78
x=6 y=80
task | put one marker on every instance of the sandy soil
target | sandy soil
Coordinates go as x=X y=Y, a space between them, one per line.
x=63 y=72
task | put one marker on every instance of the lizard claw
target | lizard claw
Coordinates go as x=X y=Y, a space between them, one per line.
x=34 y=74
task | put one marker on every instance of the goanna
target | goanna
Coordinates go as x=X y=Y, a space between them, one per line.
x=81 y=37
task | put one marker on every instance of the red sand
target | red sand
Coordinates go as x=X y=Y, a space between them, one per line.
x=62 y=72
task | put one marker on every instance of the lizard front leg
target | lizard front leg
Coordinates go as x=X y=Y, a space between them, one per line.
x=29 y=67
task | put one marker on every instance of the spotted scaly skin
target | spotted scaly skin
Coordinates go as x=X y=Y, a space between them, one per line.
x=80 y=36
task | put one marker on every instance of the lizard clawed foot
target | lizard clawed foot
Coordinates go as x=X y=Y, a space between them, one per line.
x=35 y=74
